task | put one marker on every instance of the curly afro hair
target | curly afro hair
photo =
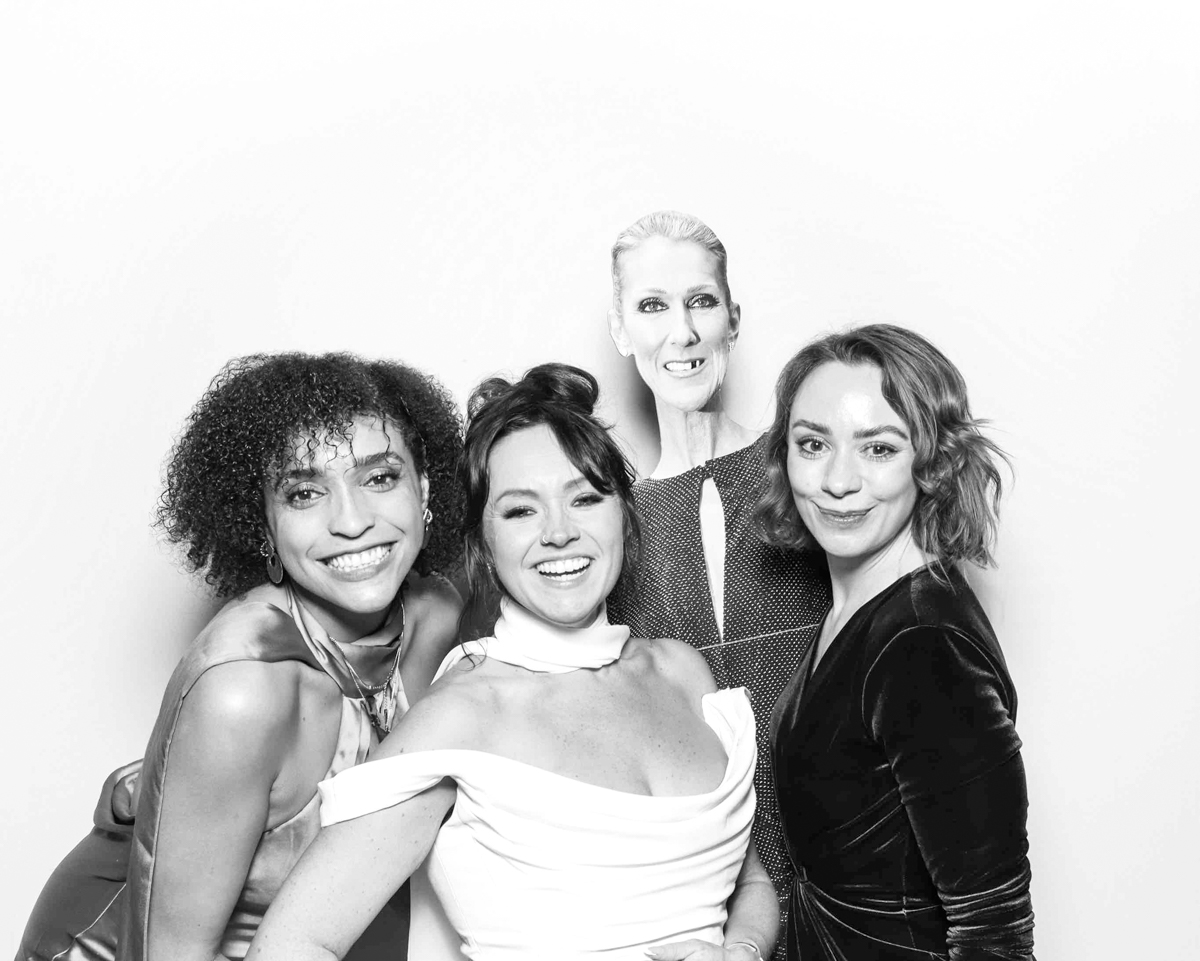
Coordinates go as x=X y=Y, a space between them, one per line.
x=246 y=428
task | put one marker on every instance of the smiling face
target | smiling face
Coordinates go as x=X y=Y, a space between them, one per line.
x=850 y=464
x=347 y=522
x=676 y=318
x=556 y=542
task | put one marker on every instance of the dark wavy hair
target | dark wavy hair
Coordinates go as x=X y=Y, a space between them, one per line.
x=562 y=398
x=955 y=470
x=246 y=428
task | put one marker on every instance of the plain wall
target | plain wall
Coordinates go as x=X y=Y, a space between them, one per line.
x=178 y=186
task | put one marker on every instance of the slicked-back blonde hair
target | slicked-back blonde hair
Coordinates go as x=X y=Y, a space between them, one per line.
x=672 y=225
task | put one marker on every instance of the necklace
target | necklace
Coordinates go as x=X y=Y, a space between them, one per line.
x=379 y=699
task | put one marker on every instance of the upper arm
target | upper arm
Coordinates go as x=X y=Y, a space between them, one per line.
x=938 y=704
x=434 y=606
x=233 y=731
x=355 y=865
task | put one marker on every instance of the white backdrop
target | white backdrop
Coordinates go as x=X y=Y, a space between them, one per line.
x=178 y=186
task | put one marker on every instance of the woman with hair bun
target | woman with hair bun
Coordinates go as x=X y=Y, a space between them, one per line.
x=897 y=763
x=750 y=608
x=581 y=793
x=309 y=490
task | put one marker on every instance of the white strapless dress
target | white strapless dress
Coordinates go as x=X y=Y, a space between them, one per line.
x=535 y=866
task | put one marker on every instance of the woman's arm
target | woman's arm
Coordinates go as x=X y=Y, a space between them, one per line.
x=753 y=910
x=234 y=730
x=346 y=876
x=938 y=702
x=353 y=867
x=750 y=930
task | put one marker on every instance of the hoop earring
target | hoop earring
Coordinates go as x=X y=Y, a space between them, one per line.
x=274 y=564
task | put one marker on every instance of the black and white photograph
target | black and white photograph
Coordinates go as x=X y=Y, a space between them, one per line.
x=641 y=480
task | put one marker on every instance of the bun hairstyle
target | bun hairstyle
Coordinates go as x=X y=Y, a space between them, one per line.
x=955 y=469
x=562 y=398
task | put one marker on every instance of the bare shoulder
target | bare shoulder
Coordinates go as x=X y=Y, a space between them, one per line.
x=676 y=662
x=432 y=607
x=454 y=714
x=431 y=599
x=243 y=713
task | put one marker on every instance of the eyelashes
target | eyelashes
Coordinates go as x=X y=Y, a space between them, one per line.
x=654 y=305
x=813 y=447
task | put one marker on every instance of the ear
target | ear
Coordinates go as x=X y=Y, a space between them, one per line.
x=616 y=330
x=424 y=491
x=735 y=323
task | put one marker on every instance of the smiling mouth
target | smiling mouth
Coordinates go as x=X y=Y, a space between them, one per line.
x=683 y=366
x=566 y=569
x=842 y=518
x=359 y=561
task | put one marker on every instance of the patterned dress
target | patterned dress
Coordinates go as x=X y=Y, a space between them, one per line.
x=774 y=600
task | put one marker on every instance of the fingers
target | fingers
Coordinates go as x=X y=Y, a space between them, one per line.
x=690 y=950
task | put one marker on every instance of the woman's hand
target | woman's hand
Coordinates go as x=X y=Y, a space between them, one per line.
x=696 y=950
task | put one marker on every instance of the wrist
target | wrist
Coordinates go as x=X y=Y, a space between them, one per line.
x=744 y=949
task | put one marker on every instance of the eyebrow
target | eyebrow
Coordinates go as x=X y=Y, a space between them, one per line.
x=388 y=456
x=698 y=288
x=865 y=434
x=530 y=492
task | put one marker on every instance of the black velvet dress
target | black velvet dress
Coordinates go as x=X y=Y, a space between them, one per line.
x=901 y=787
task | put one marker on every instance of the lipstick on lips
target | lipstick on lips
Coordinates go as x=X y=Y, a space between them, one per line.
x=563 y=569
x=359 y=565
x=842 y=519
x=687 y=366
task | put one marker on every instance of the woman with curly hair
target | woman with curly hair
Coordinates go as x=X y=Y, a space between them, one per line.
x=897 y=763
x=582 y=794
x=317 y=493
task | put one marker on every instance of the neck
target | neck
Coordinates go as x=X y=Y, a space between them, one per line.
x=692 y=437
x=524 y=639
x=342 y=625
x=854 y=581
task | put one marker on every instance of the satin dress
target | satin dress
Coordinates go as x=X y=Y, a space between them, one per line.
x=901 y=787
x=96 y=906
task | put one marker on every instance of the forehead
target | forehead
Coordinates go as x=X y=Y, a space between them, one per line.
x=529 y=458
x=330 y=448
x=851 y=395
x=665 y=263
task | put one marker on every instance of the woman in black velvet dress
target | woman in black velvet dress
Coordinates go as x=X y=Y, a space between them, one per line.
x=897 y=763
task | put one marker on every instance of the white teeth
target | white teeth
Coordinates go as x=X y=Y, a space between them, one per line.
x=352 y=562
x=679 y=366
x=569 y=565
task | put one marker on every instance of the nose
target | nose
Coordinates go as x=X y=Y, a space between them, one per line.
x=350 y=517
x=842 y=476
x=560 y=527
x=683 y=331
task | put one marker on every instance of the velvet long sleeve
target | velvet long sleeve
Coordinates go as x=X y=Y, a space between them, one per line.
x=901 y=786
x=935 y=700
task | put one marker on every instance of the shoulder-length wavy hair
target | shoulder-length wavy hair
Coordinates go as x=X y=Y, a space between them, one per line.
x=562 y=398
x=246 y=428
x=955 y=470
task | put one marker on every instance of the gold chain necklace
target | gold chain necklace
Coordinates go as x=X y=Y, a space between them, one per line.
x=380 y=708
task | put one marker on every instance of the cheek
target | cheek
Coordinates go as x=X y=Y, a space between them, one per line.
x=800 y=473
